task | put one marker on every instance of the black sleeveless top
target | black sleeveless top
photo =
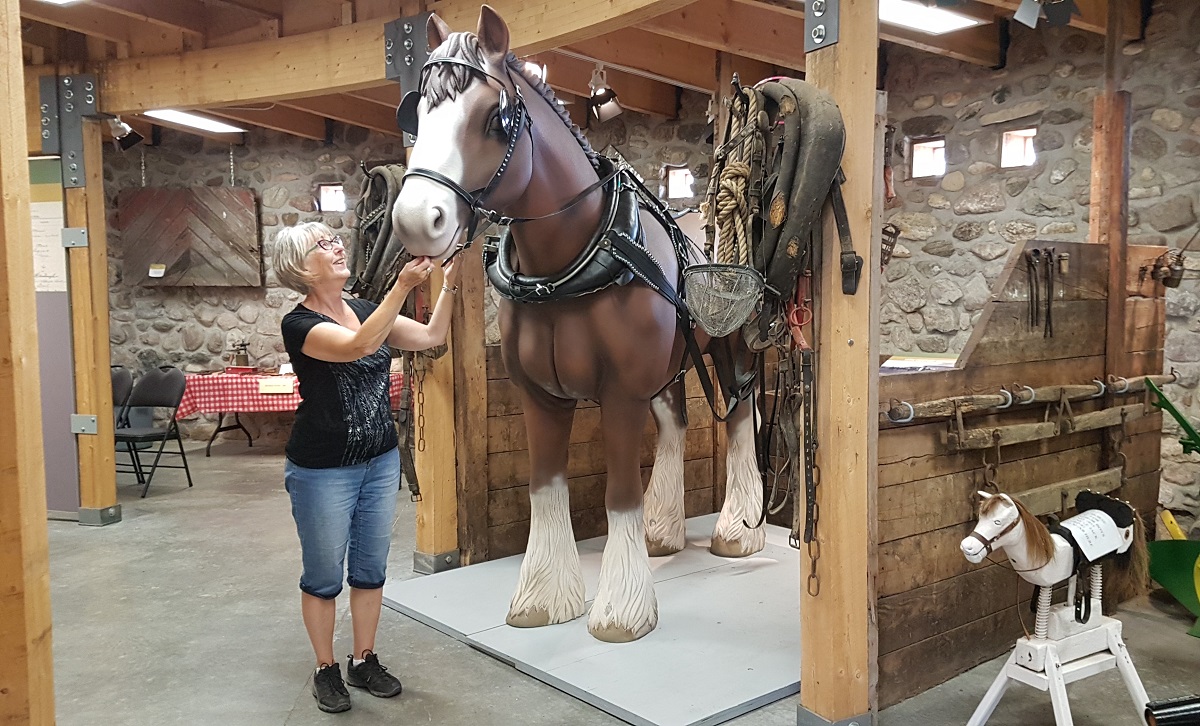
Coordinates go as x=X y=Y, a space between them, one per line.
x=345 y=418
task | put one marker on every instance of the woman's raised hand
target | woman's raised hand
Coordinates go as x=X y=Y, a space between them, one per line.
x=415 y=272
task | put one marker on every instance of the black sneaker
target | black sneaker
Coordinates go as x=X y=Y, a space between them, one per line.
x=372 y=676
x=329 y=690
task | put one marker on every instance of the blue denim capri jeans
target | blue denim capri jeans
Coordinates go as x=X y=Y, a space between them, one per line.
x=343 y=511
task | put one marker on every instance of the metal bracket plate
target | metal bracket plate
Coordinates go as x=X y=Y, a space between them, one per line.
x=74 y=237
x=405 y=50
x=82 y=423
x=76 y=99
x=821 y=18
x=48 y=106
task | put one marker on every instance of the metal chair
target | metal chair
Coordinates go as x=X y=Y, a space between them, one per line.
x=159 y=388
x=122 y=385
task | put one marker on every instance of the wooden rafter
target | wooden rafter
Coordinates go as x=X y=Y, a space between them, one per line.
x=1093 y=15
x=277 y=118
x=184 y=15
x=350 y=110
x=337 y=60
x=268 y=9
x=386 y=95
x=643 y=53
x=633 y=92
x=91 y=20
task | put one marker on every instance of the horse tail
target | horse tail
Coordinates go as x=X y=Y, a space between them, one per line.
x=1131 y=568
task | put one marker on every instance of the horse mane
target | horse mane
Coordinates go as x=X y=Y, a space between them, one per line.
x=1039 y=545
x=446 y=81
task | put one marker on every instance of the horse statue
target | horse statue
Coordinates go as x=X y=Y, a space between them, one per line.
x=1071 y=640
x=589 y=273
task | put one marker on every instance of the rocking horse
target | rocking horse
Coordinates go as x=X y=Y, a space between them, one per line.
x=589 y=273
x=1071 y=640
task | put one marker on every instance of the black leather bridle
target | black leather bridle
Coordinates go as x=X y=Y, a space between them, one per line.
x=514 y=121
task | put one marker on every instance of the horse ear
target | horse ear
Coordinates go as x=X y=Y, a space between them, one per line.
x=983 y=496
x=493 y=35
x=437 y=31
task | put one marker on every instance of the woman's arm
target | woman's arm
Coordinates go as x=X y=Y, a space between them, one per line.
x=338 y=344
x=408 y=334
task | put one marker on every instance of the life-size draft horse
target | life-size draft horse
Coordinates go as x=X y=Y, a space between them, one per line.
x=588 y=271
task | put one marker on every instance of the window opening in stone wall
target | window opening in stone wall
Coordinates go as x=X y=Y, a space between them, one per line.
x=928 y=158
x=677 y=182
x=331 y=198
x=1017 y=148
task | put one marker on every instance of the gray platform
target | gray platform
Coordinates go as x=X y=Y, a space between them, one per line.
x=727 y=642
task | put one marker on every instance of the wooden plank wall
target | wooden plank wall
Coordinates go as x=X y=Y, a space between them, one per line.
x=508 y=463
x=938 y=614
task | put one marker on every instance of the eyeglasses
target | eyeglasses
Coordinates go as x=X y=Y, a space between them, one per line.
x=327 y=244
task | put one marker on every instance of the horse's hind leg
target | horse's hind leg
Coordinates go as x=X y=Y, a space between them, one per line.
x=625 y=608
x=738 y=533
x=664 y=517
x=550 y=589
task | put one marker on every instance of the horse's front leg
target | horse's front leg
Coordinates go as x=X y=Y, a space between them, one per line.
x=743 y=490
x=550 y=589
x=664 y=517
x=625 y=608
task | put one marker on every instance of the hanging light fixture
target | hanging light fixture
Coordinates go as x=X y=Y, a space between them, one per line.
x=603 y=103
x=1058 y=12
x=124 y=137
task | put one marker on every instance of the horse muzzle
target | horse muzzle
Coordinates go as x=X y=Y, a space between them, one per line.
x=973 y=550
x=426 y=219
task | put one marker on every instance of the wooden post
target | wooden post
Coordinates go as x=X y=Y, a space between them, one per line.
x=87 y=268
x=838 y=627
x=26 y=658
x=1109 y=214
x=470 y=409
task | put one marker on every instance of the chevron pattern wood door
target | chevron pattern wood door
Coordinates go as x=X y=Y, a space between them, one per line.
x=205 y=236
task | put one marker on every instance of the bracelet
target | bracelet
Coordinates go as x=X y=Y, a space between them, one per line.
x=451 y=290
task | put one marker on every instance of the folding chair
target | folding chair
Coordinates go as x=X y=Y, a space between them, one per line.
x=122 y=385
x=159 y=388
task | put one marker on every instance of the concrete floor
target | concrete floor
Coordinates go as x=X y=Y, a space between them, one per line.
x=187 y=612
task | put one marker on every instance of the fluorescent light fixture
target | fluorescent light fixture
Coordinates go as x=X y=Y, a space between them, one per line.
x=931 y=20
x=183 y=118
x=60 y=2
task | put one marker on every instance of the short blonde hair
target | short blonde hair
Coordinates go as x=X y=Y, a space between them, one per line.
x=291 y=248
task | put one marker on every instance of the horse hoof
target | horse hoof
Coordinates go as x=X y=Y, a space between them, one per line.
x=528 y=619
x=722 y=547
x=659 y=549
x=617 y=634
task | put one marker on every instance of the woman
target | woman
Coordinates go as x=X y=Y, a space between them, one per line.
x=343 y=465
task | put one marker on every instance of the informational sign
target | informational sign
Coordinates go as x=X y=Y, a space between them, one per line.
x=46 y=210
x=1095 y=532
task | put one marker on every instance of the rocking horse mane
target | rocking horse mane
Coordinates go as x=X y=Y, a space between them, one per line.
x=447 y=81
x=1039 y=545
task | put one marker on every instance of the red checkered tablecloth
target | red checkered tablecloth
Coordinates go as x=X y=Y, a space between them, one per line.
x=238 y=393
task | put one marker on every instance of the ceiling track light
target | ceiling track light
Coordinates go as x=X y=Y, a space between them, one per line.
x=124 y=137
x=1058 y=12
x=603 y=103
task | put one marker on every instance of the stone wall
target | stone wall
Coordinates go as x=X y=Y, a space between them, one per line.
x=196 y=329
x=957 y=230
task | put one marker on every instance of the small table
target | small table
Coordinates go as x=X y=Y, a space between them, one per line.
x=237 y=393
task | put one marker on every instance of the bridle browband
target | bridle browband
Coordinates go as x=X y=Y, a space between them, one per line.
x=514 y=120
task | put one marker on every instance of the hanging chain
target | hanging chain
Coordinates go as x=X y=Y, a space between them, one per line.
x=231 y=182
x=814 y=544
x=419 y=364
x=143 y=153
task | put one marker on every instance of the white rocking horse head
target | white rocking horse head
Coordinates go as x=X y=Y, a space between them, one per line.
x=1005 y=522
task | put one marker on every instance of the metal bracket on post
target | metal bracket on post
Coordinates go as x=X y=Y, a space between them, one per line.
x=48 y=107
x=74 y=237
x=405 y=49
x=82 y=423
x=821 y=20
x=76 y=99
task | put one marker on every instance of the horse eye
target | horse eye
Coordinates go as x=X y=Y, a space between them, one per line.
x=494 y=126
x=997 y=522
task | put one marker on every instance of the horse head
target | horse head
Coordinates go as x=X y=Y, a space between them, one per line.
x=474 y=152
x=998 y=520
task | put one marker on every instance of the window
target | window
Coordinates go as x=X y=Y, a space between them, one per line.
x=331 y=198
x=678 y=182
x=1017 y=148
x=928 y=158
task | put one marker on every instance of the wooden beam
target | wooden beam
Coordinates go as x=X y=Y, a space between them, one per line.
x=979 y=45
x=340 y=59
x=277 y=118
x=386 y=95
x=269 y=9
x=350 y=110
x=1093 y=15
x=841 y=618
x=764 y=32
x=306 y=16
x=645 y=54
x=26 y=655
x=87 y=268
x=91 y=20
x=467 y=333
x=185 y=15
x=633 y=92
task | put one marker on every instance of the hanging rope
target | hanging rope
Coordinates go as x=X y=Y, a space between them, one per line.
x=733 y=213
